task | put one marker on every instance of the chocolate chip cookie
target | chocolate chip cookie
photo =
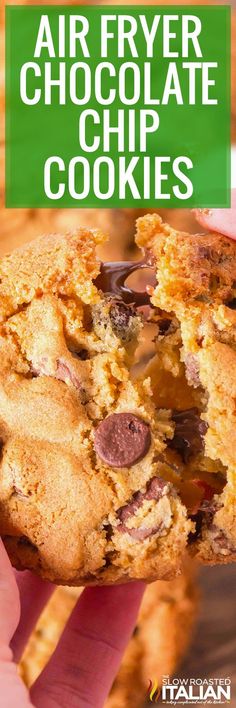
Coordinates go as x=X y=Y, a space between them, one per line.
x=195 y=308
x=83 y=494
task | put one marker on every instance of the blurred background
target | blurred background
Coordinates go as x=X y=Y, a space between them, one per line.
x=187 y=626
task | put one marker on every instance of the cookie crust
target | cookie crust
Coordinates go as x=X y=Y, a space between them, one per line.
x=196 y=282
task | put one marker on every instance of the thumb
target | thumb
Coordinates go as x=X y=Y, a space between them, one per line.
x=222 y=220
x=12 y=689
x=9 y=598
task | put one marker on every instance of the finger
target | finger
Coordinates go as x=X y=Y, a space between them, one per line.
x=9 y=598
x=222 y=220
x=34 y=594
x=12 y=690
x=83 y=667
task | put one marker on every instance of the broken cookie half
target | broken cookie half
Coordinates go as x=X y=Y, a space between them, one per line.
x=194 y=372
x=82 y=496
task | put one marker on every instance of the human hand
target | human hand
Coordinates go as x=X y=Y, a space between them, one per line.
x=83 y=667
x=222 y=220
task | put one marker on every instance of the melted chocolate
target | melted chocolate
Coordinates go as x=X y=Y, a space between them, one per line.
x=189 y=433
x=112 y=278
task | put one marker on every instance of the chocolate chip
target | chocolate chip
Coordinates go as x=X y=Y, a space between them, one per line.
x=189 y=433
x=232 y=304
x=116 y=315
x=203 y=518
x=164 y=326
x=122 y=439
x=143 y=532
x=108 y=531
x=196 y=534
x=122 y=318
x=155 y=490
x=82 y=354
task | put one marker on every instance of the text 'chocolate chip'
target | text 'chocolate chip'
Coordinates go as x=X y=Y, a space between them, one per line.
x=122 y=439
